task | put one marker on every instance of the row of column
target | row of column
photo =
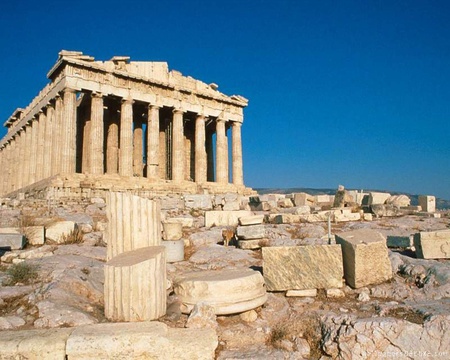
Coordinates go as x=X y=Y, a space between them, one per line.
x=47 y=145
x=42 y=147
x=126 y=158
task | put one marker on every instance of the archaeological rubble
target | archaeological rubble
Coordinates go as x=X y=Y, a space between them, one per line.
x=123 y=236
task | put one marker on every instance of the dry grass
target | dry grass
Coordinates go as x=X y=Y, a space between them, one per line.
x=73 y=237
x=21 y=273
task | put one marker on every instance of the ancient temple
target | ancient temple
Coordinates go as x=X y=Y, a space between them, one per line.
x=124 y=124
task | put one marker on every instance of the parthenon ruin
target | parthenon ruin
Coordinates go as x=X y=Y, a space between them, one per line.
x=124 y=123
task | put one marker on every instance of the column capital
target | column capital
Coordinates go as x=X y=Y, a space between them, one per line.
x=127 y=101
x=236 y=124
x=96 y=94
x=70 y=90
x=178 y=111
x=153 y=106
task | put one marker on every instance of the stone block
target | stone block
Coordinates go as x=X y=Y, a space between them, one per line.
x=172 y=230
x=251 y=244
x=250 y=232
x=428 y=203
x=174 y=250
x=224 y=218
x=302 y=267
x=398 y=241
x=323 y=200
x=135 y=285
x=385 y=210
x=302 y=210
x=302 y=198
x=365 y=256
x=312 y=218
x=344 y=217
x=35 y=235
x=229 y=291
x=34 y=344
x=10 y=230
x=432 y=244
x=285 y=203
x=57 y=231
x=231 y=206
x=202 y=202
x=184 y=221
x=302 y=293
x=399 y=200
x=12 y=241
x=140 y=340
x=378 y=198
x=367 y=217
x=251 y=220
x=286 y=219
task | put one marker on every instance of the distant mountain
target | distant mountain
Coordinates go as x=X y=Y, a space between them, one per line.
x=441 y=204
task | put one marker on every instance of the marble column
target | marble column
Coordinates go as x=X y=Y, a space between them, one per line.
x=221 y=152
x=48 y=152
x=162 y=154
x=40 y=146
x=112 y=145
x=27 y=159
x=3 y=168
x=20 y=173
x=6 y=166
x=69 y=132
x=56 y=136
x=178 y=155
x=236 y=155
x=33 y=155
x=13 y=163
x=138 y=165
x=96 y=135
x=86 y=154
x=210 y=173
x=126 y=138
x=200 y=150
x=153 y=142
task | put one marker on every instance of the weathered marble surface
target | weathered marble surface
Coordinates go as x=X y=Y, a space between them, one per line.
x=302 y=267
x=365 y=257
x=432 y=244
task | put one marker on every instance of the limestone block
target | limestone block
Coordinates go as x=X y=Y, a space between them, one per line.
x=399 y=200
x=202 y=202
x=135 y=285
x=56 y=231
x=428 y=203
x=378 y=198
x=10 y=230
x=365 y=257
x=260 y=206
x=342 y=198
x=231 y=206
x=286 y=219
x=184 y=221
x=224 y=218
x=250 y=232
x=35 y=235
x=140 y=340
x=432 y=244
x=174 y=250
x=335 y=293
x=302 y=293
x=302 y=267
x=344 y=217
x=251 y=220
x=229 y=291
x=385 y=210
x=172 y=230
x=302 y=210
x=285 y=203
x=303 y=199
x=398 y=241
x=34 y=344
x=251 y=244
x=323 y=199
x=367 y=217
x=312 y=218
x=12 y=241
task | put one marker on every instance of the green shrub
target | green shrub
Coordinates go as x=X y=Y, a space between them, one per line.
x=22 y=273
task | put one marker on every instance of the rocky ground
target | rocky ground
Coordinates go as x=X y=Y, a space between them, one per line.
x=61 y=285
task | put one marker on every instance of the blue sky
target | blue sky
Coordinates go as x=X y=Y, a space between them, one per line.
x=340 y=92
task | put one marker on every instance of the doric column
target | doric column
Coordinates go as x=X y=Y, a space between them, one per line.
x=126 y=138
x=27 y=158
x=221 y=152
x=178 y=155
x=48 y=151
x=112 y=145
x=153 y=141
x=162 y=154
x=34 y=150
x=40 y=146
x=238 y=174
x=13 y=164
x=69 y=132
x=56 y=136
x=137 y=149
x=20 y=174
x=3 y=168
x=96 y=135
x=6 y=166
x=200 y=150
